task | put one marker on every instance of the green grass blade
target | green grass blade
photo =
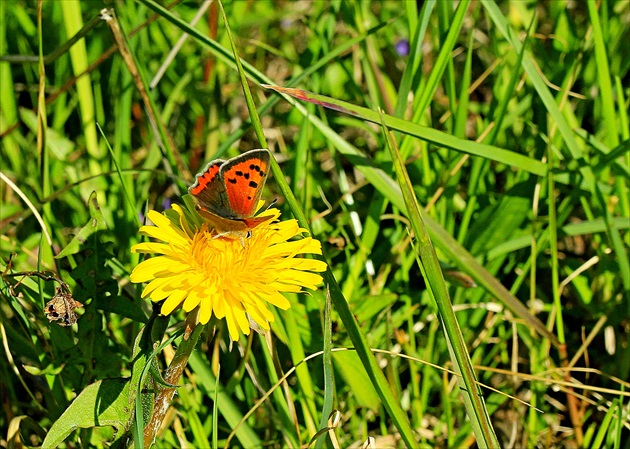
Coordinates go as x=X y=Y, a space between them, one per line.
x=431 y=271
x=8 y=104
x=78 y=54
x=622 y=184
x=604 y=78
x=215 y=408
x=569 y=139
x=302 y=372
x=510 y=89
x=602 y=428
x=461 y=111
x=131 y=213
x=443 y=59
x=434 y=136
x=391 y=403
x=328 y=370
x=210 y=385
x=251 y=106
x=415 y=56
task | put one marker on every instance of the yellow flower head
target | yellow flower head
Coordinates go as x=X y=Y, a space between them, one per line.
x=230 y=278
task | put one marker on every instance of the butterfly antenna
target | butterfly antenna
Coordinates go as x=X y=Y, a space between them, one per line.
x=273 y=202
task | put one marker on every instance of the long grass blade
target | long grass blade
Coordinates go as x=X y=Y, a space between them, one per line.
x=251 y=106
x=430 y=268
x=434 y=136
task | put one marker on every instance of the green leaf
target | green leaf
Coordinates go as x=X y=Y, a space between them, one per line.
x=96 y=223
x=103 y=403
x=499 y=223
x=354 y=374
x=56 y=142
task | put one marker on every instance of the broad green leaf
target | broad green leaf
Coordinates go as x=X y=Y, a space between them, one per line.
x=104 y=403
x=354 y=374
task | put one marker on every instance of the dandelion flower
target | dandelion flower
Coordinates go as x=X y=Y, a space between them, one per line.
x=228 y=278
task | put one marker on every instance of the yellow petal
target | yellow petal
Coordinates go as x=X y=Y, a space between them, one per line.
x=276 y=299
x=173 y=301
x=218 y=305
x=155 y=283
x=193 y=299
x=205 y=310
x=145 y=270
x=233 y=326
x=151 y=247
x=294 y=277
x=167 y=288
x=242 y=321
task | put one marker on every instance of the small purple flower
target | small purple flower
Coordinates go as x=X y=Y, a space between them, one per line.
x=166 y=203
x=402 y=47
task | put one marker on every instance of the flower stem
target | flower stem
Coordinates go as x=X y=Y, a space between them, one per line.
x=164 y=396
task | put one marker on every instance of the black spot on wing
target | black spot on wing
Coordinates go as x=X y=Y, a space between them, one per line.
x=256 y=168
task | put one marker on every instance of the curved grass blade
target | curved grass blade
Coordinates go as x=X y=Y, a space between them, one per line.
x=430 y=267
x=434 y=136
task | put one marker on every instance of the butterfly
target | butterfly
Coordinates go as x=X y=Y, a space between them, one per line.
x=61 y=308
x=227 y=193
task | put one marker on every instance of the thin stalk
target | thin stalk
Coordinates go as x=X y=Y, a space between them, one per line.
x=164 y=396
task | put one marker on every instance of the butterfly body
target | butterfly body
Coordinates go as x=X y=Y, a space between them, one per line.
x=227 y=193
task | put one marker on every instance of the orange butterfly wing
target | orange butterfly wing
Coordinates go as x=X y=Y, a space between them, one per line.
x=244 y=178
x=208 y=189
